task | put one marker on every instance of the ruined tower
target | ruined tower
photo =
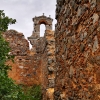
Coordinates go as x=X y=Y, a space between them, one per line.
x=44 y=50
x=47 y=21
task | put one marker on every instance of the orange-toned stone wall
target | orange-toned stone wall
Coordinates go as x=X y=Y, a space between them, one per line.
x=35 y=66
x=26 y=67
x=77 y=39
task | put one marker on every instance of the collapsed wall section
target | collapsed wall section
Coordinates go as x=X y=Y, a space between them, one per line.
x=25 y=69
x=19 y=45
x=77 y=39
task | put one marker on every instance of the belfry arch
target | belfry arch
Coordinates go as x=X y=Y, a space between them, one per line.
x=47 y=21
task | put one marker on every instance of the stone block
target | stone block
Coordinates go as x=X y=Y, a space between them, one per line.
x=51 y=83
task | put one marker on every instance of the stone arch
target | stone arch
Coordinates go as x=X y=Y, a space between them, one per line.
x=47 y=21
x=43 y=22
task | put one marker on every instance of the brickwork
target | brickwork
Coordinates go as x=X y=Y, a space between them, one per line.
x=77 y=40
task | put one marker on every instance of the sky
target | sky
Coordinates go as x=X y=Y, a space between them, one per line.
x=24 y=10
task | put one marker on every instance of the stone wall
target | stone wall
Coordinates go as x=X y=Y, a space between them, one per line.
x=44 y=48
x=25 y=69
x=48 y=66
x=77 y=39
x=35 y=66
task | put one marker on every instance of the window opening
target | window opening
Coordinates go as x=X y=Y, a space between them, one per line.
x=42 y=30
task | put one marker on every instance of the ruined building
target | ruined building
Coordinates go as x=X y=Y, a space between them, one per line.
x=35 y=66
x=66 y=62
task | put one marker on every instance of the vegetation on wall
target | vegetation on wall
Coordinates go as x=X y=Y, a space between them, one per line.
x=8 y=89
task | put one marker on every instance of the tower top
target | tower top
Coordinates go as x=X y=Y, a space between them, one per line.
x=43 y=20
x=47 y=21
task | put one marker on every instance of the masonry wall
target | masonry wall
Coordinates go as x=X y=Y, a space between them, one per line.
x=77 y=38
x=44 y=48
x=45 y=51
x=35 y=66
x=26 y=67
x=49 y=66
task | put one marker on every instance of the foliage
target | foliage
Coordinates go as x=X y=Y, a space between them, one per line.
x=9 y=90
x=5 y=21
x=33 y=92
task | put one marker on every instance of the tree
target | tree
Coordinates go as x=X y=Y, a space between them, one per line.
x=9 y=90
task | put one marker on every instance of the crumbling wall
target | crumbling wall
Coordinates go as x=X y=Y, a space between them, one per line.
x=44 y=48
x=77 y=38
x=19 y=45
x=25 y=69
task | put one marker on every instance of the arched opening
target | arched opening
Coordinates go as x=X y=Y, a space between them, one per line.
x=42 y=30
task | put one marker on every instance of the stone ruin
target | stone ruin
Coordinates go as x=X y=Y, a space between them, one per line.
x=35 y=66
x=77 y=39
x=66 y=62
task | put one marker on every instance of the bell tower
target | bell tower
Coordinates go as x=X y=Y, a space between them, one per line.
x=47 y=21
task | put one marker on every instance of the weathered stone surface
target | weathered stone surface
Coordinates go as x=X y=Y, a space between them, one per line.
x=77 y=51
x=67 y=65
x=19 y=45
x=25 y=69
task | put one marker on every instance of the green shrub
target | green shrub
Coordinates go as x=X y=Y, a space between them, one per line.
x=32 y=92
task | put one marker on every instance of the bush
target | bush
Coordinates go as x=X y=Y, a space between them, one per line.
x=32 y=92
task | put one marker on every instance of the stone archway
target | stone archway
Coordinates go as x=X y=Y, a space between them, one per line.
x=47 y=21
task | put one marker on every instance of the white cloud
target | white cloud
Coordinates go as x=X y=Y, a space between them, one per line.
x=24 y=10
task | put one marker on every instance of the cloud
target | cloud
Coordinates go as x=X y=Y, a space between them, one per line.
x=24 y=10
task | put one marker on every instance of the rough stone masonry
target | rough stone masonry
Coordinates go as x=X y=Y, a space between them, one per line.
x=24 y=69
x=44 y=48
x=35 y=66
x=67 y=63
x=77 y=39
